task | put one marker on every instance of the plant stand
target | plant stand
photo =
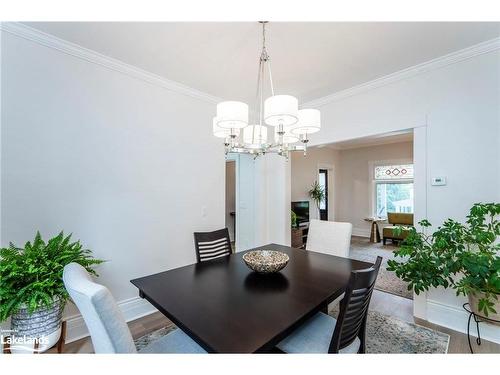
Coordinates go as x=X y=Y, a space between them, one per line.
x=477 y=319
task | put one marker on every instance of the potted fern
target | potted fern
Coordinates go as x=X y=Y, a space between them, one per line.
x=465 y=257
x=32 y=292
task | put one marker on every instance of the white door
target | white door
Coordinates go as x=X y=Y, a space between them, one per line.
x=245 y=201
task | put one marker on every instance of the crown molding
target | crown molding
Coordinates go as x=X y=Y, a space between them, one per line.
x=451 y=58
x=83 y=53
x=51 y=41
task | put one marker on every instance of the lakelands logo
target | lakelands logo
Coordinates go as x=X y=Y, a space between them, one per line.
x=10 y=340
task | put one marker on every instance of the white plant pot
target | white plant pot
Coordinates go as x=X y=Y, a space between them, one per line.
x=42 y=326
x=474 y=303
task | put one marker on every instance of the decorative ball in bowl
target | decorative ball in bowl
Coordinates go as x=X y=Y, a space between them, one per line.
x=265 y=261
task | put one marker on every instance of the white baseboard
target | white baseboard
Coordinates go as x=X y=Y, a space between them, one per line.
x=360 y=232
x=455 y=318
x=132 y=308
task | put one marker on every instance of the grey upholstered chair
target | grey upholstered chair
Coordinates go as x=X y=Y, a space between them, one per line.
x=325 y=334
x=105 y=322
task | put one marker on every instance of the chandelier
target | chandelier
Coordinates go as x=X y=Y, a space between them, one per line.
x=280 y=125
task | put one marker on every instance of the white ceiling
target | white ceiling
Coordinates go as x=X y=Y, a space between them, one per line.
x=309 y=60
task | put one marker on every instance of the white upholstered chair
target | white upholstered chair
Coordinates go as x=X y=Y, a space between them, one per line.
x=329 y=237
x=332 y=238
x=105 y=322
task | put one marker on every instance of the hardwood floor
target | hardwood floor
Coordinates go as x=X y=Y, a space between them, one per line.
x=385 y=303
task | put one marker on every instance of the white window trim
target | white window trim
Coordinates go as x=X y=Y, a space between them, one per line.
x=372 y=191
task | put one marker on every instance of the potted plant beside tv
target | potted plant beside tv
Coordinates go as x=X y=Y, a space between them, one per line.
x=465 y=257
x=296 y=232
x=317 y=194
x=32 y=291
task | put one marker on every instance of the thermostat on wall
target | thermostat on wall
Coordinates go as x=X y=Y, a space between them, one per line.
x=438 y=181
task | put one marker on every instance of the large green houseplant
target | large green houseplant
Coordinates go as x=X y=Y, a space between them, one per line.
x=317 y=193
x=465 y=257
x=31 y=282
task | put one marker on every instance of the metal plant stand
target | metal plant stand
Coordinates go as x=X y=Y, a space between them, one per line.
x=477 y=319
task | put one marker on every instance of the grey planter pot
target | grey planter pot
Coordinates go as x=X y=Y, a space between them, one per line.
x=45 y=323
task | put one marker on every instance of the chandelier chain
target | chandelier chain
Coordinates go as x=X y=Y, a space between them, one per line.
x=270 y=76
x=261 y=107
x=264 y=59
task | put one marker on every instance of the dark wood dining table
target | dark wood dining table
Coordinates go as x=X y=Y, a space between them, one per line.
x=227 y=308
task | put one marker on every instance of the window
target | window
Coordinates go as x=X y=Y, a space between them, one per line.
x=393 y=189
x=394 y=172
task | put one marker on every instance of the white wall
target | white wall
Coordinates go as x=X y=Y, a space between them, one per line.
x=101 y=154
x=459 y=105
x=304 y=171
x=355 y=193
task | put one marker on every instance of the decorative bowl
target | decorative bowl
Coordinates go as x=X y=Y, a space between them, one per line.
x=265 y=261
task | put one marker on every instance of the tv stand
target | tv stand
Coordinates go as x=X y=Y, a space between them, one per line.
x=299 y=235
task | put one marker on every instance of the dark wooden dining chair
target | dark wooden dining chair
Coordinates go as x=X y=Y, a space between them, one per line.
x=211 y=245
x=325 y=334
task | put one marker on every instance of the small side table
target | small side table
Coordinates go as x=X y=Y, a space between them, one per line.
x=477 y=319
x=374 y=231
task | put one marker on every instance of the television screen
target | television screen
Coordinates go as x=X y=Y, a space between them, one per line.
x=301 y=209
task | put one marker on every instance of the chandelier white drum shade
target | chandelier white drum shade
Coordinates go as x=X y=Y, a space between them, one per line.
x=309 y=122
x=281 y=110
x=288 y=124
x=232 y=115
x=221 y=132
x=255 y=136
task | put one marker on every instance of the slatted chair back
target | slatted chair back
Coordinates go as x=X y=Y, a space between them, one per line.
x=212 y=245
x=351 y=322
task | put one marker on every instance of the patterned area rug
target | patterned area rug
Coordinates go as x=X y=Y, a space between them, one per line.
x=384 y=335
x=388 y=335
x=362 y=249
x=147 y=339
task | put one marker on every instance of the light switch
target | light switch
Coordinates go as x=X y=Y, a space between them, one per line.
x=438 y=181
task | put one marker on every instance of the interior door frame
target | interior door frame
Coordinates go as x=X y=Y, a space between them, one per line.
x=324 y=211
x=330 y=185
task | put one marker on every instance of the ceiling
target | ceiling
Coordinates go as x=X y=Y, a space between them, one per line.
x=377 y=140
x=309 y=60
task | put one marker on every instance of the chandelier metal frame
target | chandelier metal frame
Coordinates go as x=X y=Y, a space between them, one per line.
x=284 y=134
